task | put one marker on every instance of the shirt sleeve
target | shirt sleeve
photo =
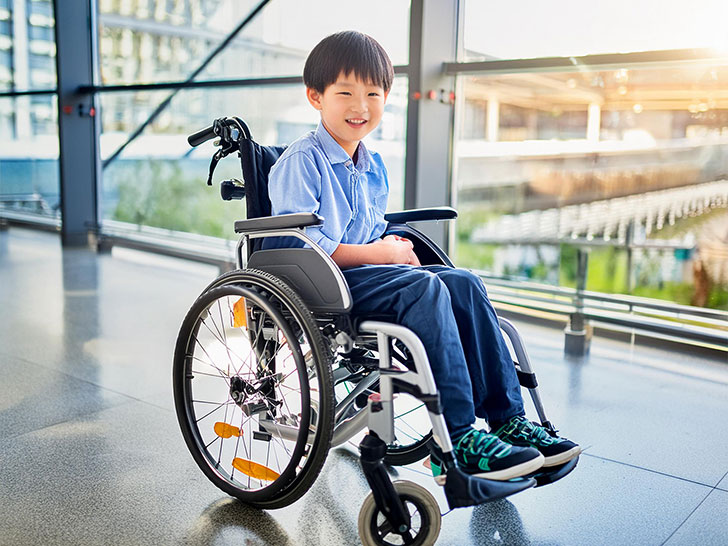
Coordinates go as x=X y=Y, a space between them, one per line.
x=294 y=185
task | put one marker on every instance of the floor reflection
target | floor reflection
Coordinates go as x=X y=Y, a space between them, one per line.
x=238 y=523
x=332 y=505
x=498 y=523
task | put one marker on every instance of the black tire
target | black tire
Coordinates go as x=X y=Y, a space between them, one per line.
x=254 y=399
x=404 y=454
x=424 y=513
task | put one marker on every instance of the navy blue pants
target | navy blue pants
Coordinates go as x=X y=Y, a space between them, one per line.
x=450 y=312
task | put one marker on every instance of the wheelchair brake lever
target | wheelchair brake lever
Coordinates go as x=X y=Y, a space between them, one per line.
x=215 y=160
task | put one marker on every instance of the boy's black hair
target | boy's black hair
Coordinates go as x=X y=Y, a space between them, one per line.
x=347 y=52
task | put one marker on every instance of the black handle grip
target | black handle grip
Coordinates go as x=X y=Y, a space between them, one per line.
x=195 y=139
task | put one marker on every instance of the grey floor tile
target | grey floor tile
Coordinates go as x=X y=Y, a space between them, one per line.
x=622 y=405
x=82 y=463
x=600 y=502
x=108 y=320
x=120 y=476
x=724 y=483
x=124 y=476
x=707 y=526
x=33 y=397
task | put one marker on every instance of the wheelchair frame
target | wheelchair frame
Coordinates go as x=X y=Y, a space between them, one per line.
x=311 y=268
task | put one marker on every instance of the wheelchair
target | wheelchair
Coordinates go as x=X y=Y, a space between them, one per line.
x=271 y=370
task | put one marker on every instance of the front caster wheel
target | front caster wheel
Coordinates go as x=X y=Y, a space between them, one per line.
x=375 y=529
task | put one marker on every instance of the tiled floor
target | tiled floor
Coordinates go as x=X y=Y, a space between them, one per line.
x=91 y=452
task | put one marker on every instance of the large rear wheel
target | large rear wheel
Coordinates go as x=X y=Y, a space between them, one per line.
x=253 y=389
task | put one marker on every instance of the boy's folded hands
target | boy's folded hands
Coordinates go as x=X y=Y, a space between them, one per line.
x=397 y=250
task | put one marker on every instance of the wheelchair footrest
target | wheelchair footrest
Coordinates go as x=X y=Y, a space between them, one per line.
x=463 y=490
x=545 y=476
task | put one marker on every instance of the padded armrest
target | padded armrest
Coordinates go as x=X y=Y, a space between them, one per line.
x=421 y=215
x=283 y=221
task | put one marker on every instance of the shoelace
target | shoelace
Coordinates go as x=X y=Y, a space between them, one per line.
x=478 y=440
x=533 y=432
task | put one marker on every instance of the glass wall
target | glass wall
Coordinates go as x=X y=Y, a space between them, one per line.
x=629 y=163
x=143 y=41
x=28 y=123
x=158 y=180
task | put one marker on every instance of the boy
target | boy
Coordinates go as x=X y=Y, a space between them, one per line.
x=329 y=171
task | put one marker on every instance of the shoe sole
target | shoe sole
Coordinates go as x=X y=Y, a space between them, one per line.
x=506 y=474
x=562 y=458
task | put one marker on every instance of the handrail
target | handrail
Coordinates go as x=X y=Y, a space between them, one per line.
x=642 y=315
x=630 y=301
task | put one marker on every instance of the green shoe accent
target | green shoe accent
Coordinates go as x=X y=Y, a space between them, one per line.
x=485 y=455
x=519 y=431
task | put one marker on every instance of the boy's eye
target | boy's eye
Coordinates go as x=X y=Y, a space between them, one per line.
x=373 y=94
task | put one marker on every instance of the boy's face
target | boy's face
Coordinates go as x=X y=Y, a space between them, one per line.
x=350 y=109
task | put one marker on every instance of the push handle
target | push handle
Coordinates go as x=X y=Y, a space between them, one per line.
x=203 y=135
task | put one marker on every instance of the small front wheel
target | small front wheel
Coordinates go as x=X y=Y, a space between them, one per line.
x=425 y=519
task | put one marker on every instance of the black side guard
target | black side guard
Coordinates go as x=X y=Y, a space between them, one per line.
x=462 y=490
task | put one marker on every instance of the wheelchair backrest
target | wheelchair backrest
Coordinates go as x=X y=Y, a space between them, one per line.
x=256 y=162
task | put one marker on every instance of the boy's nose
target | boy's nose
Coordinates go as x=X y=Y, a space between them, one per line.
x=360 y=105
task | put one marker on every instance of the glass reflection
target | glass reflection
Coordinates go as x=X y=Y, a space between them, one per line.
x=29 y=182
x=150 y=41
x=159 y=180
x=632 y=162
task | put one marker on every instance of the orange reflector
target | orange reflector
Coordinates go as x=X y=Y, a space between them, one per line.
x=255 y=470
x=223 y=430
x=240 y=315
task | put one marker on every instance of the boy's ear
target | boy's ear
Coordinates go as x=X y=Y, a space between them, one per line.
x=314 y=97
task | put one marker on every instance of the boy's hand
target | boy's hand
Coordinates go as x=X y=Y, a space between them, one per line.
x=390 y=250
x=398 y=250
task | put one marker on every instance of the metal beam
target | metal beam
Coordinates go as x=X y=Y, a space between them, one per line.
x=571 y=64
x=166 y=102
x=227 y=82
x=78 y=126
x=5 y=94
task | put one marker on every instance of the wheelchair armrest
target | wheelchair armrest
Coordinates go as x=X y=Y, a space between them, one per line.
x=421 y=215
x=283 y=221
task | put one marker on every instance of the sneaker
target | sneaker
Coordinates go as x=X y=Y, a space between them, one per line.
x=485 y=456
x=519 y=431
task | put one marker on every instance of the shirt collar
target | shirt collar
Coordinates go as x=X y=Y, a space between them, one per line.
x=336 y=153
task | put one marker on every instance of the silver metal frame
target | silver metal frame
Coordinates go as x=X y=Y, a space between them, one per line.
x=382 y=422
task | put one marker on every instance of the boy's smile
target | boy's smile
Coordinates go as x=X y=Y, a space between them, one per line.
x=350 y=109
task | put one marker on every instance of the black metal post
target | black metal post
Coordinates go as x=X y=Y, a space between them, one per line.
x=578 y=332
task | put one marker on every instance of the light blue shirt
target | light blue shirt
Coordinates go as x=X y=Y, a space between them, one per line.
x=315 y=174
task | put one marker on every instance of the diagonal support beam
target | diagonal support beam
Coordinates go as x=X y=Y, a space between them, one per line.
x=165 y=103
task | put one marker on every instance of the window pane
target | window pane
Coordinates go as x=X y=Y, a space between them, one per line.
x=160 y=181
x=605 y=158
x=27 y=45
x=153 y=40
x=29 y=156
x=498 y=30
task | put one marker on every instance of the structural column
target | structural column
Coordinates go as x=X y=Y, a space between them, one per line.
x=78 y=125
x=428 y=167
